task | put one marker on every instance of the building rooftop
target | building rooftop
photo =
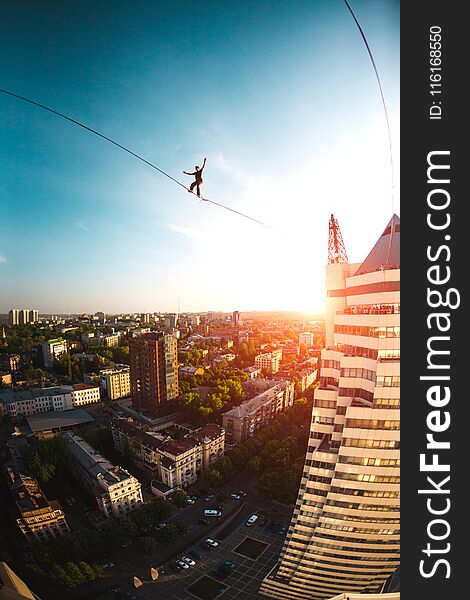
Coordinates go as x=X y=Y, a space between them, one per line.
x=176 y=447
x=26 y=492
x=385 y=254
x=12 y=587
x=58 y=419
x=210 y=431
x=134 y=429
x=250 y=407
x=93 y=462
x=84 y=386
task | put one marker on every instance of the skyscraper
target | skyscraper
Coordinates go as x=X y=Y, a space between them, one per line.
x=344 y=533
x=154 y=372
x=236 y=318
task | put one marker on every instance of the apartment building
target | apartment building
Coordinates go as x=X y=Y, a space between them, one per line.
x=55 y=398
x=269 y=361
x=243 y=421
x=344 y=535
x=116 y=382
x=154 y=373
x=116 y=491
x=39 y=520
x=14 y=316
x=52 y=349
x=175 y=463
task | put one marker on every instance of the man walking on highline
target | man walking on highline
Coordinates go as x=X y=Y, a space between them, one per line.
x=198 y=181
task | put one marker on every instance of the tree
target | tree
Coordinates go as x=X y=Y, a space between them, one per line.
x=254 y=465
x=212 y=478
x=168 y=533
x=179 y=498
x=146 y=544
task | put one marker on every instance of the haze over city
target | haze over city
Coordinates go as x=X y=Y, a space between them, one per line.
x=283 y=102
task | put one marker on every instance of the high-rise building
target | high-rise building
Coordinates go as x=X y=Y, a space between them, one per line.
x=33 y=315
x=23 y=316
x=154 y=372
x=171 y=321
x=14 y=316
x=344 y=533
x=236 y=318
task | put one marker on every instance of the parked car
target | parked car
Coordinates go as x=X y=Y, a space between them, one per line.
x=190 y=501
x=242 y=493
x=188 y=560
x=160 y=526
x=252 y=520
x=109 y=565
x=194 y=554
x=212 y=542
x=175 y=567
x=182 y=564
x=229 y=564
x=127 y=544
x=212 y=513
x=283 y=530
x=235 y=496
x=209 y=498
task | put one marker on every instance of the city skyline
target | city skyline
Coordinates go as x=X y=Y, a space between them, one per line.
x=282 y=102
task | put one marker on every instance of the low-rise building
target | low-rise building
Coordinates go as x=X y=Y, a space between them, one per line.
x=39 y=520
x=116 y=382
x=252 y=372
x=37 y=400
x=269 y=361
x=52 y=349
x=110 y=340
x=50 y=424
x=116 y=491
x=187 y=371
x=243 y=421
x=85 y=393
x=176 y=463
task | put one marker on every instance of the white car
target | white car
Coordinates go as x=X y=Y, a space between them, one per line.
x=107 y=566
x=212 y=542
x=182 y=564
x=252 y=520
x=188 y=560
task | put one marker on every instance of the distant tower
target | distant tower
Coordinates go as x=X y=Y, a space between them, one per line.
x=236 y=318
x=24 y=316
x=336 y=248
x=14 y=316
x=33 y=315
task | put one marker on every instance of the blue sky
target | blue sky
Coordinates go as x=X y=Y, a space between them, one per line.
x=280 y=97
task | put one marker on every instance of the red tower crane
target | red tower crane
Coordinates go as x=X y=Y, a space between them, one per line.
x=336 y=248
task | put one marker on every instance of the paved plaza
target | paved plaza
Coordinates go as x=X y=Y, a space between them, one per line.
x=244 y=581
